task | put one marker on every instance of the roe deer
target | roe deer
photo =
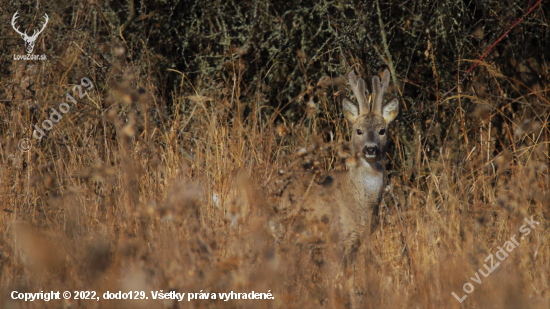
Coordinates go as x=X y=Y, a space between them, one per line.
x=345 y=199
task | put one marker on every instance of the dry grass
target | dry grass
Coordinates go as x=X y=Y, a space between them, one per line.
x=128 y=193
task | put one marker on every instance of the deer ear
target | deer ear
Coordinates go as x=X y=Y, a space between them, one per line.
x=390 y=110
x=350 y=110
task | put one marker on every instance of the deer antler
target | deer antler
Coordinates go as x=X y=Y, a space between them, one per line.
x=358 y=88
x=378 y=91
x=13 y=24
x=34 y=34
x=25 y=36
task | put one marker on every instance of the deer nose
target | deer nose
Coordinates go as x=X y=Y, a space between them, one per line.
x=370 y=150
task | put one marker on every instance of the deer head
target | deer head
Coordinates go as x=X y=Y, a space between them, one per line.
x=29 y=40
x=370 y=126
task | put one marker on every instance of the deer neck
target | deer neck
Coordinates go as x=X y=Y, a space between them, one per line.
x=367 y=181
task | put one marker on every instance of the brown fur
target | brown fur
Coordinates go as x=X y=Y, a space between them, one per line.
x=345 y=200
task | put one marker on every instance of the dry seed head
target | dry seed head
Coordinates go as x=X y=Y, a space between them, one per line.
x=128 y=129
x=526 y=127
x=128 y=75
x=503 y=160
x=311 y=107
x=483 y=112
x=281 y=130
x=535 y=126
x=48 y=181
x=199 y=98
x=234 y=212
x=302 y=152
x=166 y=213
x=119 y=49
x=478 y=33
x=151 y=208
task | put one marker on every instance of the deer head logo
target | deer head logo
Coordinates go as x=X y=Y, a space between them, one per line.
x=29 y=40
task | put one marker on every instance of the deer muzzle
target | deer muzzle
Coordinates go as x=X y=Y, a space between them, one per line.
x=371 y=151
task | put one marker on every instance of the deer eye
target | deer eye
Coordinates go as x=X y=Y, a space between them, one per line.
x=382 y=132
x=359 y=132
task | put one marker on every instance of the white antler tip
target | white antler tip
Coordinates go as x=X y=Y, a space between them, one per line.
x=386 y=77
x=376 y=82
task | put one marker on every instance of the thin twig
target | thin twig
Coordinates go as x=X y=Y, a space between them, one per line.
x=130 y=18
x=495 y=43
x=99 y=65
x=385 y=44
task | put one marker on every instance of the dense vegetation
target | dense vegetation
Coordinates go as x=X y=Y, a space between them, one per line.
x=157 y=178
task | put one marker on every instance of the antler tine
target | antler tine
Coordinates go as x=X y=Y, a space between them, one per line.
x=364 y=107
x=34 y=34
x=46 y=19
x=15 y=16
x=358 y=88
x=375 y=93
x=379 y=91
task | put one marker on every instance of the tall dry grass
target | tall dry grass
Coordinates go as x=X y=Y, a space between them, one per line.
x=128 y=193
